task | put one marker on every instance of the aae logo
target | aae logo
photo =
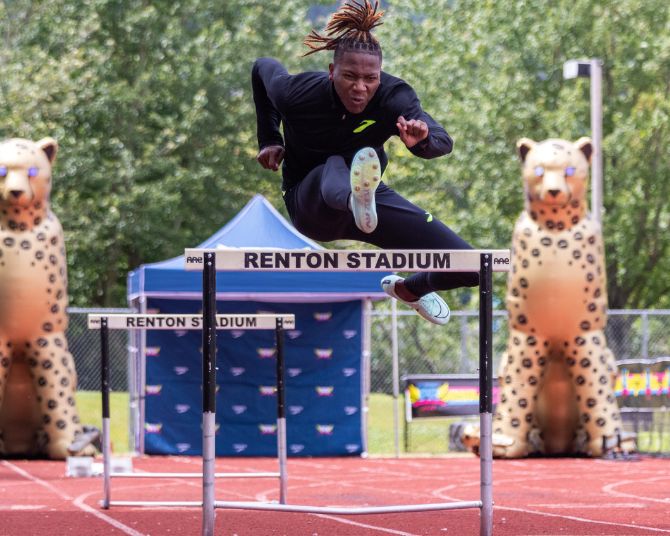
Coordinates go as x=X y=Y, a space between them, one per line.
x=265 y=353
x=352 y=447
x=240 y=447
x=350 y=410
x=180 y=371
x=267 y=429
x=153 y=351
x=154 y=389
x=293 y=372
x=325 y=429
x=296 y=448
x=237 y=371
x=183 y=447
x=293 y=334
x=295 y=410
x=182 y=408
x=153 y=428
x=349 y=333
x=323 y=353
x=324 y=390
x=348 y=372
x=236 y=333
x=239 y=409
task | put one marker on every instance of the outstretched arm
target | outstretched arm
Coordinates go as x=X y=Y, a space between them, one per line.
x=267 y=82
x=420 y=133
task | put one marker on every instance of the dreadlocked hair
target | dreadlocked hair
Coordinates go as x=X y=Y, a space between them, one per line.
x=349 y=30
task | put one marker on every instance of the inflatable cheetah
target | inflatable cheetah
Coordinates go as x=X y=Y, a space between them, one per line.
x=38 y=416
x=557 y=376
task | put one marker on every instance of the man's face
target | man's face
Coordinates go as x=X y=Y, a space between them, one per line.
x=356 y=78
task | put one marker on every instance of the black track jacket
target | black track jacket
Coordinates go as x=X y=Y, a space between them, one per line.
x=317 y=125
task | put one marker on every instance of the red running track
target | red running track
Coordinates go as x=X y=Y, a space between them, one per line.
x=532 y=497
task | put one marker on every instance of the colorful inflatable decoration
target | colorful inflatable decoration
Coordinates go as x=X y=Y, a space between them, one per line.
x=557 y=376
x=38 y=414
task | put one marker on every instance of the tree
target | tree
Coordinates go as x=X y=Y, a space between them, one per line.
x=150 y=103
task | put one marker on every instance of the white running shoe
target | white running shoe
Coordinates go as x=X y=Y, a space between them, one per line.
x=431 y=306
x=365 y=175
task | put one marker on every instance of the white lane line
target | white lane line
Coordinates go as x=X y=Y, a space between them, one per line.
x=365 y=525
x=579 y=506
x=497 y=507
x=36 y=480
x=79 y=503
x=86 y=508
x=609 y=489
x=581 y=519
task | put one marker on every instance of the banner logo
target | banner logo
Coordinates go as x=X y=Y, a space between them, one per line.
x=325 y=429
x=295 y=410
x=349 y=333
x=348 y=372
x=323 y=353
x=267 y=429
x=265 y=353
x=323 y=317
x=153 y=351
x=267 y=390
x=239 y=409
x=324 y=390
x=293 y=334
x=237 y=371
x=183 y=447
x=296 y=448
x=293 y=372
x=153 y=428
x=154 y=389
x=240 y=447
x=180 y=371
x=350 y=410
x=182 y=408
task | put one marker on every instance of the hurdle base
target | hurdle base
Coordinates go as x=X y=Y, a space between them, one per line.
x=361 y=510
x=150 y=504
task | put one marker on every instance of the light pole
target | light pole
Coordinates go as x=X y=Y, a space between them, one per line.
x=592 y=68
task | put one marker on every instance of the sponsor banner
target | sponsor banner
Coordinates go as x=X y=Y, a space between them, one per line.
x=349 y=260
x=324 y=390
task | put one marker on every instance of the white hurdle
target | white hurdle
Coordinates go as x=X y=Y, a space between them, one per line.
x=484 y=262
x=104 y=323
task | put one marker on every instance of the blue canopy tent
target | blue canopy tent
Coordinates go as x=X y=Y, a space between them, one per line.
x=326 y=373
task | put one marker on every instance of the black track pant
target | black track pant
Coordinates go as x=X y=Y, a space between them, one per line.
x=318 y=207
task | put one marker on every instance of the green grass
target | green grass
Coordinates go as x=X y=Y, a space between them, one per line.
x=89 y=404
x=426 y=436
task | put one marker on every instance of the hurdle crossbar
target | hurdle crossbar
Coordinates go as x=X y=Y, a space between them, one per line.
x=105 y=322
x=193 y=475
x=484 y=262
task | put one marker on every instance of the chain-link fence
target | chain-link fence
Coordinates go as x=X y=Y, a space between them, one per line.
x=427 y=349
x=84 y=345
x=641 y=338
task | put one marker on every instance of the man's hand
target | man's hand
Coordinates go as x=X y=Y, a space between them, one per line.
x=411 y=132
x=270 y=157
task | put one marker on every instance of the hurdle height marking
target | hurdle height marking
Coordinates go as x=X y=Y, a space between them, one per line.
x=208 y=391
x=106 y=428
x=481 y=261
